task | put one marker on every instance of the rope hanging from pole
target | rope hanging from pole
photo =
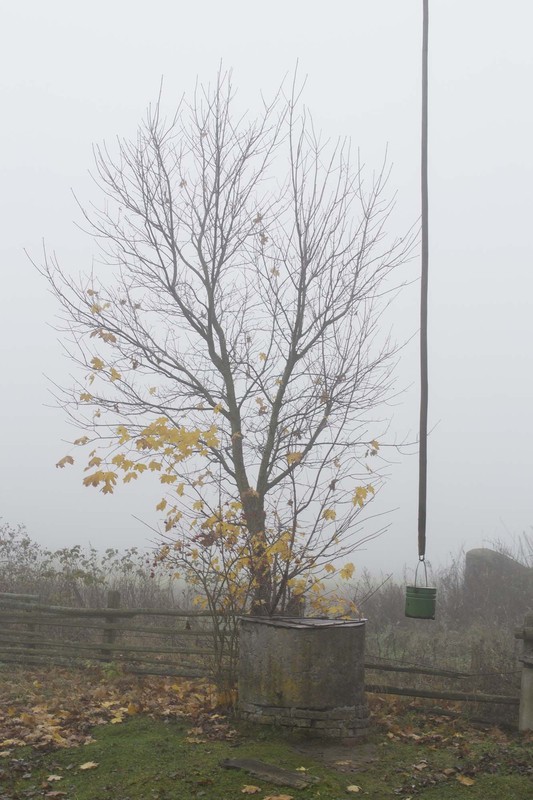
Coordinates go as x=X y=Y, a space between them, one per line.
x=422 y=463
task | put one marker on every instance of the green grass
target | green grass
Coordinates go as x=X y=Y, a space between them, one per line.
x=151 y=759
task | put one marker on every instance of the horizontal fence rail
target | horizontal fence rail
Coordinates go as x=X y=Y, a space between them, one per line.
x=441 y=694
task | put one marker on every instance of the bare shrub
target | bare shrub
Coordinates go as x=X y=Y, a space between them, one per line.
x=79 y=576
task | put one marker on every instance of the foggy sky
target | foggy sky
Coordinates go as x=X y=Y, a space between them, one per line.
x=73 y=74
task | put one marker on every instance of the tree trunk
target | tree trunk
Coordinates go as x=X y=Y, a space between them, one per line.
x=254 y=512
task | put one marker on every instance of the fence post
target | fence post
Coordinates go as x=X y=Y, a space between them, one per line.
x=109 y=637
x=31 y=626
x=525 y=713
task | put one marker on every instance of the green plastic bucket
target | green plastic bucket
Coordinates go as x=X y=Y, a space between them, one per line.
x=420 y=602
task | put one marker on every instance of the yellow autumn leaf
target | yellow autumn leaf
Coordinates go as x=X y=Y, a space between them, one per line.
x=51 y=778
x=329 y=513
x=347 y=571
x=329 y=568
x=361 y=495
x=152 y=390
x=85 y=397
x=353 y=788
x=249 y=789
x=198 y=505
x=293 y=458
x=97 y=363
x=109 y=480
x=262 y=356
x=161 y=506
x=114 y=374
x=81 y=440
x=89 y=765
x=123 y=435
x=107 y=336
x=65 y=460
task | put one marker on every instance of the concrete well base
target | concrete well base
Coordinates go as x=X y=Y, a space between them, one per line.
x=303 y=674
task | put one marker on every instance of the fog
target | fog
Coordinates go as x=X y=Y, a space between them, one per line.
x=71 y=77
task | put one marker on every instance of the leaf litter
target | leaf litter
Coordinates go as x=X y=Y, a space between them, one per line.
x=53 y=708
x=456 y=737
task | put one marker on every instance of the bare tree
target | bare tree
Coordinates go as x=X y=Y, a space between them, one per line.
x=245 y=271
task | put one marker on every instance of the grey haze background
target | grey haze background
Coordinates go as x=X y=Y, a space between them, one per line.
x=76 y=73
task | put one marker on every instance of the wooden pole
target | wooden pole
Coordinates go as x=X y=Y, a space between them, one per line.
x=422 y=462
x=525 y=713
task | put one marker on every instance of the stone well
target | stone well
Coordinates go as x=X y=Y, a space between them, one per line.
x=305 y=674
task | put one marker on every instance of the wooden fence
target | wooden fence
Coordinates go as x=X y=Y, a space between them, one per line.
x=188 y=644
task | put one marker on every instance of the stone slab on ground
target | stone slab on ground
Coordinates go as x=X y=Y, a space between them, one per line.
x=270 y=772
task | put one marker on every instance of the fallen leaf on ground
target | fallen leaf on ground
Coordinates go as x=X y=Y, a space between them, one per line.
x=54 y=778
x=301 y=769
x=279 y=797
x=353 y=788
x=465 y=780
x=89 y=765
x=248 y=789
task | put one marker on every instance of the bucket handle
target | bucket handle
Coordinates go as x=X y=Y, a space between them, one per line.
x=422 y=560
